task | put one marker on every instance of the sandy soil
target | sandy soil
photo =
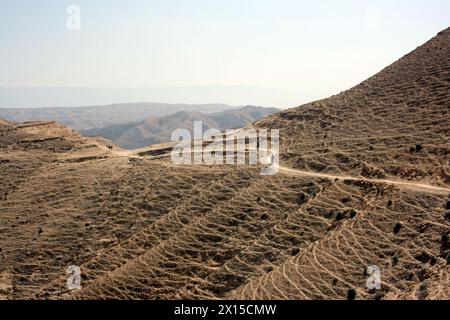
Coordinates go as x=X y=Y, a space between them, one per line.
x=354 y=190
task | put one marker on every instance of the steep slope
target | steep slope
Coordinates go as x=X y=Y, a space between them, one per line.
x=395 y=124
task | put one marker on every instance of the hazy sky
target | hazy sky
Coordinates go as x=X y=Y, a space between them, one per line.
x=300 y=49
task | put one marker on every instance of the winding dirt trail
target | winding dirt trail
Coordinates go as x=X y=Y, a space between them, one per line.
x=398 y=183
x=402 y=184
x=410 y=185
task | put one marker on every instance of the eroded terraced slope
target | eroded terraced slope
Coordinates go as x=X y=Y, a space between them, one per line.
x=395 y=124
x=363 y=181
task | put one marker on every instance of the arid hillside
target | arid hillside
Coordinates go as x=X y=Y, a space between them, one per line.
x=395 y=124
x=363 y=181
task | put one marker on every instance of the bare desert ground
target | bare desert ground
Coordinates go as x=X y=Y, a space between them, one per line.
x=364 y=180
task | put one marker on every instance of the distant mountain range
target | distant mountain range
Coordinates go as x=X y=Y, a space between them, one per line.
x=155 y=130
x=94 y=117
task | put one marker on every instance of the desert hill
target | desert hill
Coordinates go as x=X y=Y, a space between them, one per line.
x=395 y=124
x=140 y=227
x=155 y=130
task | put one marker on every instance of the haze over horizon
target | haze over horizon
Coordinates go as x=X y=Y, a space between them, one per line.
x=231 y=52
